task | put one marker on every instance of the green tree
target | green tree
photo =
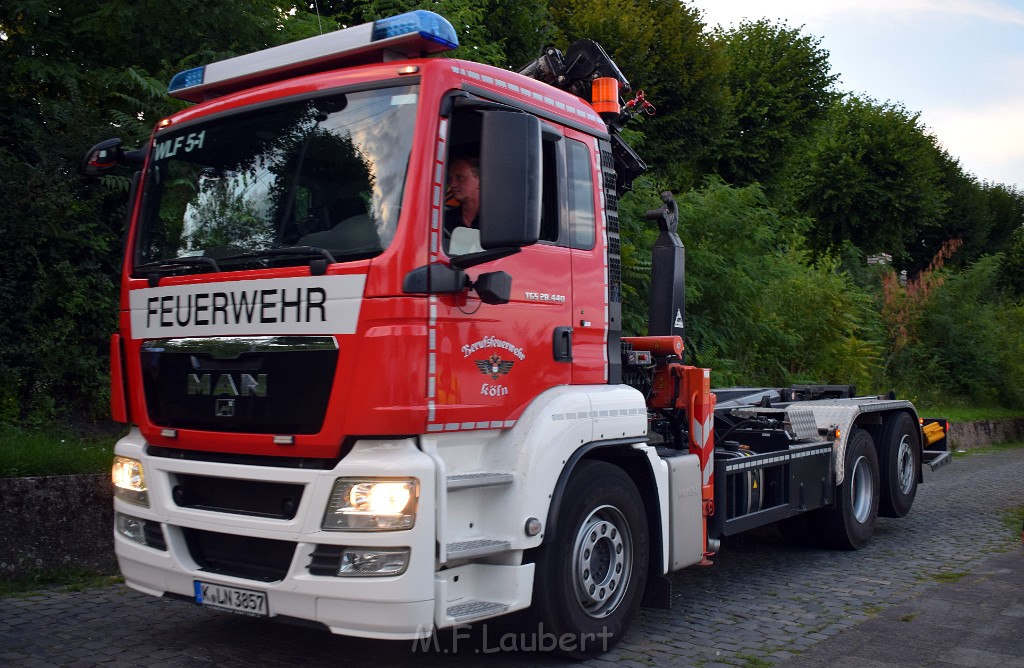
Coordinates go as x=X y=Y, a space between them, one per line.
x=468 y=17
x=662 y=49
x=781 y=87
x=71 y=73
x=872 y=177
x=1011 y=266
x=1006 y=205
x=967 y=218
x=523 y=28
x=970 y=341
x=757 y=312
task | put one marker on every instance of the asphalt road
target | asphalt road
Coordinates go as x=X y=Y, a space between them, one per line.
x=943 y=586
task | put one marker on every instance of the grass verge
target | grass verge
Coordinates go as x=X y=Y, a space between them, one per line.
x=26 y=452
x=969 y=413
x=1013 y=518
x=69 y=579
x=986 y=449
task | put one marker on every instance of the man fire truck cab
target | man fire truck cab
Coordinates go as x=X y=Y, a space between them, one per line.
x=340 y=416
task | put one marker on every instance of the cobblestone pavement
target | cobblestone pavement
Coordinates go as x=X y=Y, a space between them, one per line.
x=762 y=603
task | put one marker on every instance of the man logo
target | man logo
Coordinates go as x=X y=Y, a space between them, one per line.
x=225 y=408
x=226 y=385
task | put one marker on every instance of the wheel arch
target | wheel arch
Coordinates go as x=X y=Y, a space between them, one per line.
x=637 y=465
x=846 y=415
x=874 y=423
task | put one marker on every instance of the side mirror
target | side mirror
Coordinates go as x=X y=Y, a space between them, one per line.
x=102 y=158
x=510 y=180
x=494 y=287
x=435 y=279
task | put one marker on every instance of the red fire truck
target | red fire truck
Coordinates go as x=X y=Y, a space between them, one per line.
x=346 y=410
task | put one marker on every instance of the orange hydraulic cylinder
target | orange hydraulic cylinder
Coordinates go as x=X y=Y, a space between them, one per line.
x=657 y=345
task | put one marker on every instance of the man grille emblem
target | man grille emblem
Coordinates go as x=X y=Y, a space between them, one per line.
x=493 y=366
x=225 y=408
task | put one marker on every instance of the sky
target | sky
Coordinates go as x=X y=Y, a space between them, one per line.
x=958 y=63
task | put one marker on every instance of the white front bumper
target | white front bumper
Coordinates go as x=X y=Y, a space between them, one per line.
x=390 y=607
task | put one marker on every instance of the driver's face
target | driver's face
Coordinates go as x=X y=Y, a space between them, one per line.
x=463 y=182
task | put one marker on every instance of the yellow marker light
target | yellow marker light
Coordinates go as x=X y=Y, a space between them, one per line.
x=129 y=481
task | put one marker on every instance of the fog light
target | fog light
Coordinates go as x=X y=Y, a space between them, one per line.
x=384 y=504
x=130 y=527
x=365 y=562
x=129 y=481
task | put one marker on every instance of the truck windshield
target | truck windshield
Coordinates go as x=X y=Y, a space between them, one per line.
x=315 y=178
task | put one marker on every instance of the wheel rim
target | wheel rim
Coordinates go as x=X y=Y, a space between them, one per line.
x=905 y=465
x=602 y=560
x=861 y=490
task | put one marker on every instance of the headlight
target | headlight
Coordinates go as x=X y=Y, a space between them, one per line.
x=129 y=481
x=359 y=504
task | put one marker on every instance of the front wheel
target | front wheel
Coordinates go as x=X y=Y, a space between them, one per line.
x=590 y=579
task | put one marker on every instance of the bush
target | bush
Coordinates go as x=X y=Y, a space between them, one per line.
x=961 y=339
x=758 y=311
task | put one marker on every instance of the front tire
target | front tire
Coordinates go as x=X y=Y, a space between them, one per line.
x=590 y=579
x=899 y=464
x=850 y=524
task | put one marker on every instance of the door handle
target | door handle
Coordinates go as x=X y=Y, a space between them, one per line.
x=562 y=344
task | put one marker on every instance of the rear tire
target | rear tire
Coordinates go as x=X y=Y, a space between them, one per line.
x=850 y=524
x=590 y=579
x=899 y=464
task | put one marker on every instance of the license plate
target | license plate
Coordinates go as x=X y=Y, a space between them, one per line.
x=234 y=599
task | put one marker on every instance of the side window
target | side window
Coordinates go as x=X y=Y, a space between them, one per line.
x=550 y=214
x=462 y=181
x=462 y=177
x=581 y=196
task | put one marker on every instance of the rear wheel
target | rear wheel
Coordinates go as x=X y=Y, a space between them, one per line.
x=899 y=464
x=590 y=579
x=850 y=524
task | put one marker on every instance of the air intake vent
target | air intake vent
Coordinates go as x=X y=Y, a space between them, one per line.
x=246 y=557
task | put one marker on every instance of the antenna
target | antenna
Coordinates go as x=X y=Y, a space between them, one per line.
x=316 y=5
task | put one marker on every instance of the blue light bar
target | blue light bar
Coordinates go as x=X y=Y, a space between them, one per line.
x=186 y=79
x=427 y=24
x=411 y=35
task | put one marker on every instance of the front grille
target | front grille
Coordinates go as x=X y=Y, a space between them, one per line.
x=262 y=385
x=246 y=557
x=276 y=500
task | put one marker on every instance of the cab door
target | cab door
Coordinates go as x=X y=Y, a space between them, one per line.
x=590 y=272
x=489 y=361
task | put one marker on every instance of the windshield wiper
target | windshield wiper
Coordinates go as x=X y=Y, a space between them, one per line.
x=321 y=257
x=158 y=267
